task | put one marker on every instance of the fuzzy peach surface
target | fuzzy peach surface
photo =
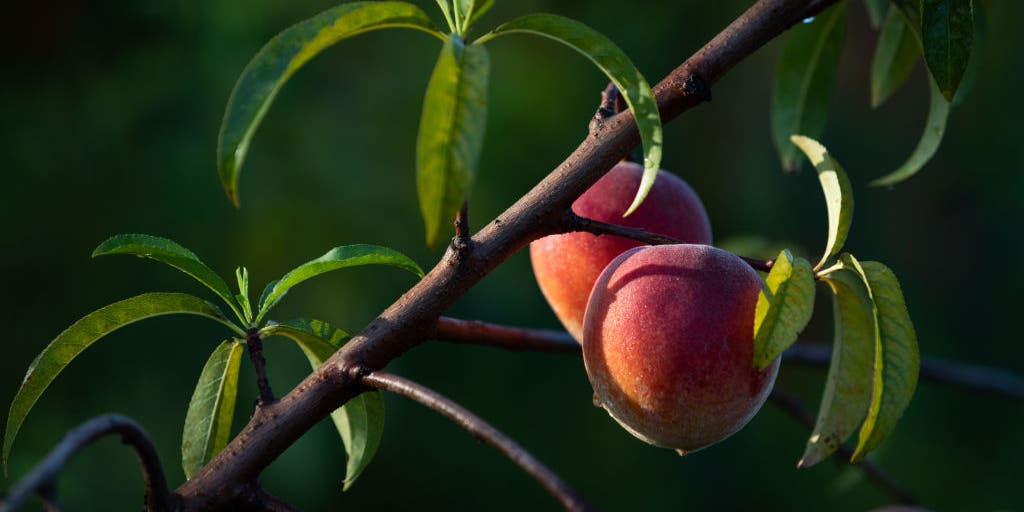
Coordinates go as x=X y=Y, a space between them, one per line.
x=668 y=344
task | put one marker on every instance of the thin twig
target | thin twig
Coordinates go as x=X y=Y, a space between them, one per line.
x=482 y=430
x=259 y=363
x=796 y=409
x=573 y=222
x=971 y=376
x=471 y=332
x=43 y=478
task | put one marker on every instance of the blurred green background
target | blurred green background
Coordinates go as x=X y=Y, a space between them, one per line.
x=111 y=111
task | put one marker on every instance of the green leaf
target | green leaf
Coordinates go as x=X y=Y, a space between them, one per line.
x=480 y=7
x=451 y=133
x=896 y=356
x=784 y=307
x=341 y=257
x=894 y=59
x=171 y=253
x=876 y=11
x=242 y=275
x=264 y=76
x=619 y=69
x=911 y=11
x=208 y=421
x=360 y=422
x=935 y=128
x=947 y=28
x=804 y=78
x=86 y=331
x=847 y=394
x=838 y=194
x=446 y=9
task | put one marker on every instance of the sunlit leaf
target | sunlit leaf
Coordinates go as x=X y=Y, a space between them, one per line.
x=242 y=275
x=360 y=422
x=896 y=356
x=171 y=253
x=338 y=258
x=619 y=69
x=895 y=56
x=86 y=331
x=935 y=128
x=877 y=10
x=947 y=29
x=264 y=76
x=208 y=421
x=784 y=307
x=451 y=133
x=446 y=10
x=844 y=403
x=838 y=194
x=804 y=79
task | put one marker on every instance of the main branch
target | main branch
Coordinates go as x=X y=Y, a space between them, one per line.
x=411 y=318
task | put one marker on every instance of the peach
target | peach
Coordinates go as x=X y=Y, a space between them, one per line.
x=668 y=342
x=566 y=266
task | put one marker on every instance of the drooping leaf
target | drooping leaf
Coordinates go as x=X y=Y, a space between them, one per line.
x=947 y=29
x=267 y=72
x=978 y=47
x=897 y=52
x=877 y=10
x=360 y=422
x=86 y=331
x=619 y=69
x=804 y=79
x=911 y=11
x=844 y=403
x=896 y=355
x=171 y=253
x=208 y=421
x=935 y=128
x=341 y=257
x=784 y=307
x=838 y=194
x=451 y=133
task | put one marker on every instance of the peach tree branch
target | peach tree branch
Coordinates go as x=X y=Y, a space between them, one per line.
x=482 y=430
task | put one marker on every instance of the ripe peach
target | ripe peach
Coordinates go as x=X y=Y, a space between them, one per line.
x=566 y=266
x=668 y=344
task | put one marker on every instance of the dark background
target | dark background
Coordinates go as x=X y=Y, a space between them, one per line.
x=110 y=119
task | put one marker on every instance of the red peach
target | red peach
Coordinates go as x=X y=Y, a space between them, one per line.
x=566 y=266
x=668 y=343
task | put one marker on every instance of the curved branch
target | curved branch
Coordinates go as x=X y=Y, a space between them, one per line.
x=472 y=332
x=43 y=478
x=796 y=409
x=482 y=430
x=408 y=321
x=572 y=222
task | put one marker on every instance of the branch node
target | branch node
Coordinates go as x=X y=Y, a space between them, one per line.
x=695 y=86
x=462 y=242
x=611 y=104
x=259 y=363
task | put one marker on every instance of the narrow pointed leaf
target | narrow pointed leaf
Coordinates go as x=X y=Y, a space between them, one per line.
x=268 y=71
x=446 y=10
x=896 y=356
x=935 y=128
x=451 y=133
x=895 y=56
x=86 y=331
x=341 y=257
x=480 y=8
x=877 y=10
x=844 y=403
x=911 y=11
x=208 y=421
x=784 y=307
x=360 y=422
x=947 y=28
x=838 y=194
x=242 y=274
x=171 y=253
x=619 y=69
x=804 y=79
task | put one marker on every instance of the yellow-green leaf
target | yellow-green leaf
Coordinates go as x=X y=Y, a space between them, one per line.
x=838 y=194
x=935 y=128
x=844 y=402
x=268 y=71
x=897 y=52
x=896 y=356
x=451 y=133
x=784 y=307
x=619 y=69
x=212 y=408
